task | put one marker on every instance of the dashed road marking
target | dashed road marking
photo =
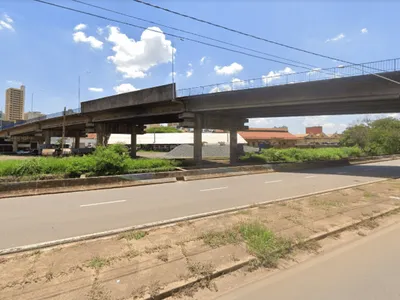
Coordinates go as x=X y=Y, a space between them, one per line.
x=214 y=189
x=102 y=203
x=273 y=181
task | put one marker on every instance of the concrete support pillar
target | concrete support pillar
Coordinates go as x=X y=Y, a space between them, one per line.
x=15 y=146
x=77 y=140
x=233 y=146
x=133 y=142
x=47 y=137
x=197 y=140
x=100 y=134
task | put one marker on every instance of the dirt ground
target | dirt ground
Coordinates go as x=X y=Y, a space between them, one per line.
x=13 y=157
x=141 y=264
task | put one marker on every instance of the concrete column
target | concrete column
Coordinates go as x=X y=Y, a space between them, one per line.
x=77 y=140
x=47 y=137
x=99 y=128
x=15 y=146
x=197 y=140
x=133 y=142
x=233 y=153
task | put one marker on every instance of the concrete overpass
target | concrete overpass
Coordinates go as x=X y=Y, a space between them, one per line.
x=342 y=90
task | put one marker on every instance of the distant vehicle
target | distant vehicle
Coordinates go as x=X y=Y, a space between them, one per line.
x=24 y=152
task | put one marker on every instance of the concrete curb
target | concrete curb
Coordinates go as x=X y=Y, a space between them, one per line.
x=176 y=287
x=169 y=222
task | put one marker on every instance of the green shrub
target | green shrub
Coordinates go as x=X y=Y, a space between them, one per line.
x=302 y=155
x=27 y=168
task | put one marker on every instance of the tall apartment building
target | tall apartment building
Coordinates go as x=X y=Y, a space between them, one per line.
x=15 y=103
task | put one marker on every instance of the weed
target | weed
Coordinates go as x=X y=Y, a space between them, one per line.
x=154 y=289
x=369 y=194
x=139 y=292
x=309 y=246
x=216 y=239
x=158 y=248
x=98 y=262
x=163 y=256
x=264 y=244
x=132 y=254
x=370 y=224
x=200 y=269
x=49 y=275
x=130 y=235
x=98 y=292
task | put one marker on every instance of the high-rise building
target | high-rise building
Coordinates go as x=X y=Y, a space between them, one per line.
x=15 y=102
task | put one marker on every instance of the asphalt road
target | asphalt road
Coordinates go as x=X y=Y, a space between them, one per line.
x=368 y=269
x=35 y=219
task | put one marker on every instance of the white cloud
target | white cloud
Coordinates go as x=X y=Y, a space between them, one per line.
x=175 y=74
x=189 y=73
x=234 y=68
x=221 y=88
x=134 y=58
x=364 y=30
x=202 y=60
x=80 y=37
x=393 y=115
x=96 y=90
x=336 y=38
x=100 y=30
x=124 y=88
x=5 y=22
x=314 y=120
x=274 y=75
x=314 y=71
x=80 y=27
x=238 y=84
x=14 y=83
x=8 y=19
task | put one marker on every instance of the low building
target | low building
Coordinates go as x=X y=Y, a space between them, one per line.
x=315 y=136
x=269 y=137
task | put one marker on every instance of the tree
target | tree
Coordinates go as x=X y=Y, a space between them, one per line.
x=377 y=137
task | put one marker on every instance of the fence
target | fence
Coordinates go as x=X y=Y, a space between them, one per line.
x=288 y=76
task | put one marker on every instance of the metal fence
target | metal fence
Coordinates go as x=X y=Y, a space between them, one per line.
x=69 y=112
x=288 y=76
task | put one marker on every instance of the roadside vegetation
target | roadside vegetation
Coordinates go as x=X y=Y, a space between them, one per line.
x=111 y=160
x=302 y=155
x=378 y=137
x=163 y=129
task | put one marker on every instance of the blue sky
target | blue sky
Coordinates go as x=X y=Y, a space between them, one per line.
x=43 y=48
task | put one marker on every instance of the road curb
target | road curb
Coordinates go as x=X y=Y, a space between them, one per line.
x=176 y=287
x=170 y=222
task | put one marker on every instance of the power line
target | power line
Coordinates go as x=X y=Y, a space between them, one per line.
x=192 y=33
x=169 y=34
x=259 y=38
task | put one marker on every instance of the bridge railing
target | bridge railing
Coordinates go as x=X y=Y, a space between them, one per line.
x=69 y=112
x=288 y=76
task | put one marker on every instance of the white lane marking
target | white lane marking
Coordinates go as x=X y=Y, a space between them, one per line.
x=214 y=189
x=273 y=181
x=393 y=197
x=311 y=176
x=102 y=203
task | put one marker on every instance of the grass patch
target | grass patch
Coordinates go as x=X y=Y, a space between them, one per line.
x=264 y=244
x=201 y=269
x=98 y=262
x=369 y=194
x=216 y=239
x=133 y=235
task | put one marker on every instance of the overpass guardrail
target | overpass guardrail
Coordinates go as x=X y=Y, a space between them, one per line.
x=69 y=112
x=289 y=76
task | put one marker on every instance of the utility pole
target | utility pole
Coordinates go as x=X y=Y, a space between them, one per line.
x=173 y=75
x=63 y=130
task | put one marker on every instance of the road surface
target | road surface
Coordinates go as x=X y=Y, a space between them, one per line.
x=368 y=269
x=35 y=219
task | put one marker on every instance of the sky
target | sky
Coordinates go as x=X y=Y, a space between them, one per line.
x=49 y=49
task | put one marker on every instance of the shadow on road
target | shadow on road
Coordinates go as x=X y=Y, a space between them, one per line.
x=379 y=171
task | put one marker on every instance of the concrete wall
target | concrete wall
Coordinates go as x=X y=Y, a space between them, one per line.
x=146 y=96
